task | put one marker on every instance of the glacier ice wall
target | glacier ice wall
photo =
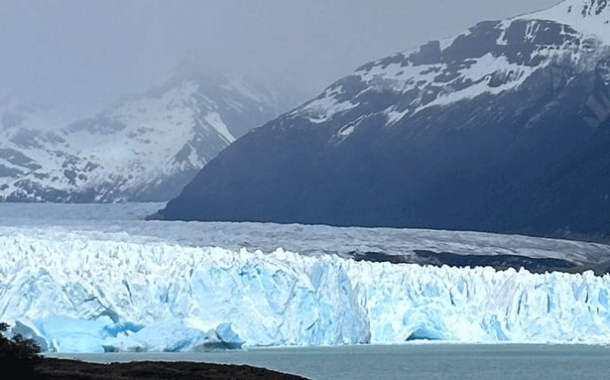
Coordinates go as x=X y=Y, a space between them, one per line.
x=83 y=294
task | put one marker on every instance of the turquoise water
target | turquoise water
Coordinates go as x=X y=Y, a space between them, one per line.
x=421 y=362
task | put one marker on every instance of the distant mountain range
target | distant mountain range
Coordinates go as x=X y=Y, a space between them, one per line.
x=504 y=127
x=145 y=148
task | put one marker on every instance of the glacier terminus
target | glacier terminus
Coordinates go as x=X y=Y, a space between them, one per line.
x=80 y=286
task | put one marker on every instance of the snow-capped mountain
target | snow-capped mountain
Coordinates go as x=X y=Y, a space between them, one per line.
x=441 y=136
x=143 y=148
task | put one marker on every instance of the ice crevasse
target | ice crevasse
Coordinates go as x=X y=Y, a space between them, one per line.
x=89 y=295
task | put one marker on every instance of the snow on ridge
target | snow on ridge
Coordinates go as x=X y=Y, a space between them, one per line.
x=404 y=75
x=68 y=286
x=591 y=17
x=399 y=74
x=214 y=120
x=325 y=106
x=127 y=147
x=480 y=73
x=322 y=110
x=239 y=85
x=145 y=142
x=144 y=147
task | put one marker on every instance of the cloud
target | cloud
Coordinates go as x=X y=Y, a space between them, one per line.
x=89 y=53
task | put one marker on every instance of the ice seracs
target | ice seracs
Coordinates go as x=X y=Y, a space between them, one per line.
x=78 y=294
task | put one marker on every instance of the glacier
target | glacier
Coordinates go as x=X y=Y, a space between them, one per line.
x=76 y=290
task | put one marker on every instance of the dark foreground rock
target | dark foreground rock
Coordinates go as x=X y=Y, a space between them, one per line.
x=56 y=369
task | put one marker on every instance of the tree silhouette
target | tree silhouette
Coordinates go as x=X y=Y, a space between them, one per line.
x=18 y=355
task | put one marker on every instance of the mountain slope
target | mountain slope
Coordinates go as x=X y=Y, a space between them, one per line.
x=437 y=137
x=142 y=149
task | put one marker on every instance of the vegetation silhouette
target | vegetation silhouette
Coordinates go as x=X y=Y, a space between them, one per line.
x=19 y=356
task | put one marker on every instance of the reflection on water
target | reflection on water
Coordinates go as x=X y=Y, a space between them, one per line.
x=421 y=362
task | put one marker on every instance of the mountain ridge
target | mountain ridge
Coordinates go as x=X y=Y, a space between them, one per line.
x=143 y=148
x=436 y=137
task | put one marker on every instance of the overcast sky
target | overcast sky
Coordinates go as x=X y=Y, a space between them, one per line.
x=91 y=52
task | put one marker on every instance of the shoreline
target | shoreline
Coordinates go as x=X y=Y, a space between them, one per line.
x=61 y=369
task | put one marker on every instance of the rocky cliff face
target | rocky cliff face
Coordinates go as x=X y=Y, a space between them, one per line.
x=441 y=137
x=144 y=148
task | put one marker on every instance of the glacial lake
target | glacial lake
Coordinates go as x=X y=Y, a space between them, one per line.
x=403 y=362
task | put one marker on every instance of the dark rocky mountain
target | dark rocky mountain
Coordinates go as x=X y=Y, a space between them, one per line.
x=501 y=128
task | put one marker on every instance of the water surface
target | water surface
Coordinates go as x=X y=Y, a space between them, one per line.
x=417 y=361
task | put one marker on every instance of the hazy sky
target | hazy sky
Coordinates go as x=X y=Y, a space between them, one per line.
x=90 y=52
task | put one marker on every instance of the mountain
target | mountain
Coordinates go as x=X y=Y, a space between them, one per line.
x=471 y=132
x=144 y=148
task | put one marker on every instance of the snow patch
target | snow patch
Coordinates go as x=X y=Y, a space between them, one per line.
x=213 y=118
x=323 y=109
x=480 y=73
x=579 y=15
